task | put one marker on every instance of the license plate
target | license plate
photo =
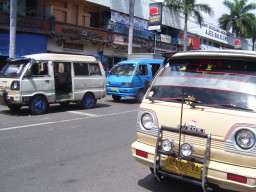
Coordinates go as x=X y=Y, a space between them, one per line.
x=183 y=167
x=114 y=89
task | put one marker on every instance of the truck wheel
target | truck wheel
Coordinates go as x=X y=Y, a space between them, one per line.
x=88 y=101
x=38 y=105
x=14 y=107
x=116 y=97
x=140 y=95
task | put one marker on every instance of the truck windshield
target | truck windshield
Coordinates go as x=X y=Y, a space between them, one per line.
x=213 y=82
x=123 y=69
x=13 y=69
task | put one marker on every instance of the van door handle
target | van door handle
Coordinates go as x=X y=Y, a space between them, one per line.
x=47 y=81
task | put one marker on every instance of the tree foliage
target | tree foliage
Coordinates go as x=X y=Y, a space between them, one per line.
x=239 y=20
x=190 y=9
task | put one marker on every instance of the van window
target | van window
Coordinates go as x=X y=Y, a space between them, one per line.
x=94 y=69
x=81 y=69
x=39 y=68
x=85 y=69
x=143 y=70
x=154 y=68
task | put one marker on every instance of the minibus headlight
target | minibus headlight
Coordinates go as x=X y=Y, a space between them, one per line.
x=15 y=85
x=147 y=121
x=245 y=139
x=186 y=149
x=167 y=145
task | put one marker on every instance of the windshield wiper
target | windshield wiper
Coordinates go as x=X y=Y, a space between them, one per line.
x=187 y=101
x=234 y=106
x=162 y=99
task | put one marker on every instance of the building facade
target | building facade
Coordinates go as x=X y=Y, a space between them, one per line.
x=101 y=27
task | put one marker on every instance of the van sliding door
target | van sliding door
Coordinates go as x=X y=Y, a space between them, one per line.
x=63 y=80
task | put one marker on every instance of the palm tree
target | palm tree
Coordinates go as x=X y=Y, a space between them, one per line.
x=253 y=35
x=189 y=8
x=239 y=20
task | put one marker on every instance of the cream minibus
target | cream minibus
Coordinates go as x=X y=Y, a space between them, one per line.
x=197 y=121
x=41 y=79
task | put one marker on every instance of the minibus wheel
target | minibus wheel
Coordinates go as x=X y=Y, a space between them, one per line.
x=140 y=95
x=88 y=101
x=116 y=97
x=14 y=107
x=38 y=105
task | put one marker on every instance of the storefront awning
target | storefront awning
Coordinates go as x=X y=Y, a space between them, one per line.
x=25 y=44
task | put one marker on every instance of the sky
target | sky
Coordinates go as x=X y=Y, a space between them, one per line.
x=219 y=9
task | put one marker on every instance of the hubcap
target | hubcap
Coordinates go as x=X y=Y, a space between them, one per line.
x=39 y=105
x=89 y=101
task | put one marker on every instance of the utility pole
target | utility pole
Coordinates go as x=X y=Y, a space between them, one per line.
x=13 y=19
x=131 y=23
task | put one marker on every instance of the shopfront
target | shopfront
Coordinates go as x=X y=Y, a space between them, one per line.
x=31 y=36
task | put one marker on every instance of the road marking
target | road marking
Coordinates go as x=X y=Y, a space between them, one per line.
x=62 y=121
x=82 y=113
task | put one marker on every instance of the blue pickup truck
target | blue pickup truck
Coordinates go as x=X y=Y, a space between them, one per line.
x=130 y=78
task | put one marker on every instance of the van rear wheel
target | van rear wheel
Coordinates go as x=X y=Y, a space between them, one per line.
x=38 y=105
x=14 y=107
x=88 y=101
x=116 y=97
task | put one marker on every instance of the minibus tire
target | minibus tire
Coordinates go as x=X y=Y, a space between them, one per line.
x=38 y=105
x=14 y=107
x=88 y=101
x=116 y=97
x=140 y=95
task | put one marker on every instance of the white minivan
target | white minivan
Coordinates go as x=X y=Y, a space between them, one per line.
x=41 y=79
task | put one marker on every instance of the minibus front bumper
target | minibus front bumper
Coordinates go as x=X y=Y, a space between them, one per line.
x=6 y=98
x=122 y=91
x=217 y=172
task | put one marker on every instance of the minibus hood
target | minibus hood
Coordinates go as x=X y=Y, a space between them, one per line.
x=119 y=79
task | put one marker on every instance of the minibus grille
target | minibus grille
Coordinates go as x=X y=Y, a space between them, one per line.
x=115 y=84
x=174 y=165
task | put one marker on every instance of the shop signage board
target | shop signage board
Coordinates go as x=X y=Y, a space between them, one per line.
x=27 y=24
x=75 y=31
x=139 y=24
x=65 y=45
x=212 y=32
x=143 y=43
x=155 y=16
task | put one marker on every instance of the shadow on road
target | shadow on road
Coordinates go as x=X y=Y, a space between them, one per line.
x=54 y=108
x=152 y=184
x=124 y=101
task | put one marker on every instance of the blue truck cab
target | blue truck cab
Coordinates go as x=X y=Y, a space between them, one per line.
x=130 y=78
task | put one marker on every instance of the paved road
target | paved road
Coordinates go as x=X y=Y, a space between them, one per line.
x=75 y=150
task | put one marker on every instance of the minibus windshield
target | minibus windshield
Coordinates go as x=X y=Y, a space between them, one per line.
x=123 y=69
x=13 y=69
x=212 y=82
